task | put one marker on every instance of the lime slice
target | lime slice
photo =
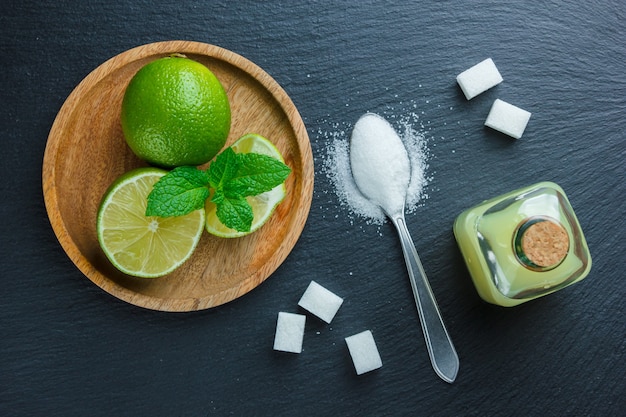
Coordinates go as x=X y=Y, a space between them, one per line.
x=139 y=245
x=263 y=205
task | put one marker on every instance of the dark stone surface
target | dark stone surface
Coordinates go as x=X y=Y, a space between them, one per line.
x=69 y=349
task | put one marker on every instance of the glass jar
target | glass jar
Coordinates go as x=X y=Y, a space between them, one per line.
x=523 y=244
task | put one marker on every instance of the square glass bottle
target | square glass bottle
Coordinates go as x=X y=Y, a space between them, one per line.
x=523 y=244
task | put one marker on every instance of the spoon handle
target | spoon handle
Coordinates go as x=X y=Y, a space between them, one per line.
x=442 y=354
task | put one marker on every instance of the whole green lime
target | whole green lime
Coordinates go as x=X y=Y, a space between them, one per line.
x=175 y=112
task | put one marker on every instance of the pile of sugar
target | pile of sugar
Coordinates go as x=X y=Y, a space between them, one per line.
x=380 y=163
x=336 y=167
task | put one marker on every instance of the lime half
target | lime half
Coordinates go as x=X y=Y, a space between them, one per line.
x=263 y=205
x=139 y=245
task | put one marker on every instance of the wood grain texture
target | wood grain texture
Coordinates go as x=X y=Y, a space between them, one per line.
x=86 y=151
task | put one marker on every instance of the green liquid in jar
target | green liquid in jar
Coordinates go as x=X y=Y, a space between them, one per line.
x=486 y=235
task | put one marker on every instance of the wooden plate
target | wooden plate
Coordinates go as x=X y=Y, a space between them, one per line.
x=86 y=151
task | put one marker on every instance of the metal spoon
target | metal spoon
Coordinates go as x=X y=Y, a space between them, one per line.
x=381 y=170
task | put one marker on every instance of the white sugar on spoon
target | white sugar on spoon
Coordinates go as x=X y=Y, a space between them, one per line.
x=382 y=170
x=379 y=162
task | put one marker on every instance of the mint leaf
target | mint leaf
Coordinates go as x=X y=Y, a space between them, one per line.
x=179 y=192
x=223 y=168
x=256 y=174
x=234 y=213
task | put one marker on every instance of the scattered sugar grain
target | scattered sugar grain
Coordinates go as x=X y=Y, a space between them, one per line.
x=320 y=302
x=364 y=352
x=289 y=332
x=479 y=78
x=337 y=165
x=415 y=144
x=507 y=118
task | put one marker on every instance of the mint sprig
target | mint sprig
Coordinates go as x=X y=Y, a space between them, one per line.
x=230 y=178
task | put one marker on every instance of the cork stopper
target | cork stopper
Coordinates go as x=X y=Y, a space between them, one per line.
x=542 y=243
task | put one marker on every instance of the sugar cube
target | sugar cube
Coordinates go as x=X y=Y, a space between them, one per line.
x=479 y=78
x=320 y=302
x=507 y=118
x=289 y=332
x=364 y=352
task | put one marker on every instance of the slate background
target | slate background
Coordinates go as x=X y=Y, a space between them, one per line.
x=69 y=349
